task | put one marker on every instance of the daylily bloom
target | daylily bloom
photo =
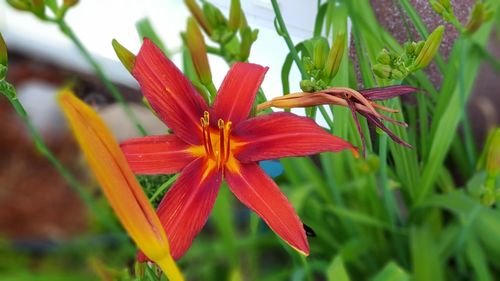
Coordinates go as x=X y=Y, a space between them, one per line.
x=357 y=101
x=118 y=183
x=212 y=143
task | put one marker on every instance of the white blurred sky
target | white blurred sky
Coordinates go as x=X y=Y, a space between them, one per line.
x=98 y=22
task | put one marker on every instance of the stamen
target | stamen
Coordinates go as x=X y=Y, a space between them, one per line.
x=207 y=141
x=221 y=157
x=228 y=134
x=202 y=121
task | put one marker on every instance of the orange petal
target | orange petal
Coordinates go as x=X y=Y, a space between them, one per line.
x=118 y=183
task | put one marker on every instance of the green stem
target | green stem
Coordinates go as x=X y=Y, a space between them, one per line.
x=212 y=90
x=288 y=40
x=66 y=30
x=283 y=32
x=469 y=140
x=10 y=93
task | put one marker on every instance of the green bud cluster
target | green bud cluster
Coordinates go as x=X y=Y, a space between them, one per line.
x=415 y=56
x=224 y=30
x=38 y=7
x=322 y=63
x=444 y=9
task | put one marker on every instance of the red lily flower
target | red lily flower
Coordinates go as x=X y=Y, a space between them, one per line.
x=212 y=143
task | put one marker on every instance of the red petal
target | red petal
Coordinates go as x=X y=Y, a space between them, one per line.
x=237 y=93
x=169 y=92
x=185 y=208
x=255 y=189
x=284 y=134
x=166 y=154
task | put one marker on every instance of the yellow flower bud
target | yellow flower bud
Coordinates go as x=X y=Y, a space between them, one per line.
x=429 y=49
x=197 y=49
x=199 y=16
x=335 y=56
x=22 y=5
x=3 y=52
x=125 y=56
x=70 y=3
x=235 y=15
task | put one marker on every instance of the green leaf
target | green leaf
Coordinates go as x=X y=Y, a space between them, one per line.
x=336 y=270
x=145 y=29
x=427 y=264
x=392 y=272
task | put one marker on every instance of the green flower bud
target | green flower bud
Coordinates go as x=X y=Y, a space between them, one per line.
x=488 y=198
x=125 y=56
x=320 y=52
x=437 y=7
x=335 y=56
x=246 y=43
x=384 y=57
x=397 y=74
x=197 y=48
x=480 y=14
x=418 y=47
x=235 y=15
x=382 y=70
x=445 y=3
x=307 y=86
x=38 y=7
x=429 y=49
x=214 y=16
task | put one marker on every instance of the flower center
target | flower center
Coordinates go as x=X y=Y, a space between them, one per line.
x=216 y=144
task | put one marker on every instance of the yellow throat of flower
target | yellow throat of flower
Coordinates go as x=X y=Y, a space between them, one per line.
x=217 y=144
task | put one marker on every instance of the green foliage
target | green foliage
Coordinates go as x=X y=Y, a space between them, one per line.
x=399 y=214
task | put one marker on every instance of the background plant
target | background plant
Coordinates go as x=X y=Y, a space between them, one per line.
x=399 y=213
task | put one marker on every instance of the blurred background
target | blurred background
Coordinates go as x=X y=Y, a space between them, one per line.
x=44 y=225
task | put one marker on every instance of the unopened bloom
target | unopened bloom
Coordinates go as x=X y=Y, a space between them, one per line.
x=198 y=51
x=118 y=183
x=212 y=143
x=429 y=49
x=357 y=101
x=3 y=58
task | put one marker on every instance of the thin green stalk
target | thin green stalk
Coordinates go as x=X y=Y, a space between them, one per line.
x=66 y=30
x=283 y=32
x=162 y=187
x=469 y=140
x=10 y=93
